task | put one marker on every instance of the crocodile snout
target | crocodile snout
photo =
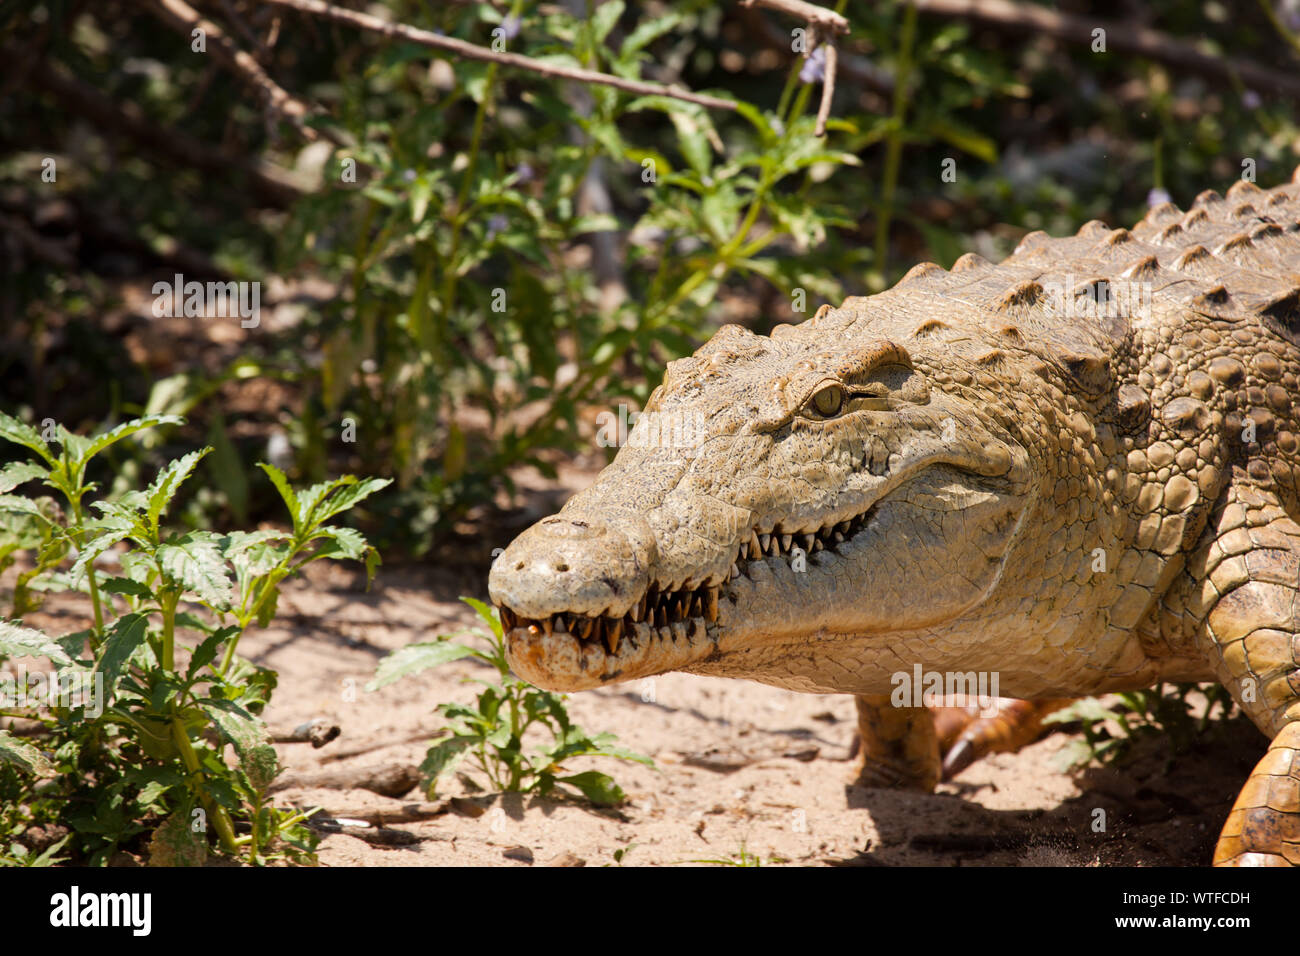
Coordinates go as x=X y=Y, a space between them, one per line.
x=575 y=563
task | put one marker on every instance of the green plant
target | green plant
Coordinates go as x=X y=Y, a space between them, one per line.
x=1109 y=732
x=741 y=857
x=491 y=731
x=137 y=747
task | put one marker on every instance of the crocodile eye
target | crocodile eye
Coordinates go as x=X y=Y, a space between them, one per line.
x=828 y=401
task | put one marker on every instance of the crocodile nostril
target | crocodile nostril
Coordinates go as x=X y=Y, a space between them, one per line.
x=561 y=566
x=519 y=566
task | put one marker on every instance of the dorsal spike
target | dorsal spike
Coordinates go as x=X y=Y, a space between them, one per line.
x=1144 y=268
x=1240 y=189
x=1195 y=218
x=929 y=327
x=1191 y=256
x=1244 y=211
x=923 y=270
x=1117 y=237
x=1035 y=238
x=1023 y=295
x=1266 y=231
x=1162 y=212
x=1206 y=198
x=970 y=262
x=1092 y=229
x=1170 y=231
x=1239 y=241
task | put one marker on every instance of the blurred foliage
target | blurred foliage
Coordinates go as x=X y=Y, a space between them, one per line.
x=514 y=251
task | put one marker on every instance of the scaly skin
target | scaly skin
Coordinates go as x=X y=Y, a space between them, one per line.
x=965 y=473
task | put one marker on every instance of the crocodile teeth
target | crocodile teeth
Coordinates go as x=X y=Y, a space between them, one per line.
x=744 y=551
x=638 y=610
x=547 y=626
x=842 y=527
x=735 y=570
x=786 y=541
x=711 y=605
x=612 y=634
x=837 y=537
x=586 y=627
x=817 y=544
x=763 y=540
x=808 y=540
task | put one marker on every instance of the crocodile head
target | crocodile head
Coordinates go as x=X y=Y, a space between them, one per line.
x=782 y=511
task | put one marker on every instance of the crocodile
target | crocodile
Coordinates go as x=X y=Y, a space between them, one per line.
x=1077 y=470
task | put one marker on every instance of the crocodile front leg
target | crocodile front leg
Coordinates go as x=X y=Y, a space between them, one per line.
x=1250 y=596
x=898 y=746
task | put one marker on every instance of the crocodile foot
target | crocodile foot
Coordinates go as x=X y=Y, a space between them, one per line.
x=1263 y=828
x=966 y=734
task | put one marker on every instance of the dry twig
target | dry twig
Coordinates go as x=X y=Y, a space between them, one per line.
x=824 y=26
x=401 y=31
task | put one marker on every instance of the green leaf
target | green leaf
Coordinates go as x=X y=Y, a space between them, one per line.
x=261 y=765
x=20 y=505
x=648 y=31
x=443 y=757
x=119 y=529
x=24 y=756
x=20 y=433
x=196 y=563
x=414 y=658
x=227 y=470
x=206 y=652
x=18 y=641
x=604 y=20
x=597 y=787
x=17 y=472
x=236 y=724
x=126 y=586
x=164 y=487
x=282 y=485
x=99 y=443
x=342 y=543
x=175 y=843
x=121 y=641
x=488 y=613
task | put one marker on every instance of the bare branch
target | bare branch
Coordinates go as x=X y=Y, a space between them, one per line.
x=1120 y=37
x=828 y=89
x=469 y=51
x=185 y=20
x=822 y=20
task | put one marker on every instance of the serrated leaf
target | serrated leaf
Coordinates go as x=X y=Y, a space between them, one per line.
x=414 y=658
x=24 y=756
x=236 y=724
x=17 y=472
x=20 y=505
x=341 y=543
x=349 y=497
x=99 y=443
x=121 y=640
x=164 y=487
x=19 y=641
x=20 y=433
x=118 y=529
x=207 y=650
x=175 y=843
x=126 y=586
x=197 y=564
x=443 y=757
x=261 y=765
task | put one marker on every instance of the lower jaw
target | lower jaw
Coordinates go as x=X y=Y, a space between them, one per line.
x=561 y=662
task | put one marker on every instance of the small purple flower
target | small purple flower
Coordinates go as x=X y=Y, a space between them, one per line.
x=814 y=67
x=1250 y=100
x=510 y=27
x=1157 y=196
x=409 y=175
x=525 y=173
x=497 y=223
x=1288 y=11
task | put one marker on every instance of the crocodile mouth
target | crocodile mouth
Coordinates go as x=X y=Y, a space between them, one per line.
x=684 y=618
